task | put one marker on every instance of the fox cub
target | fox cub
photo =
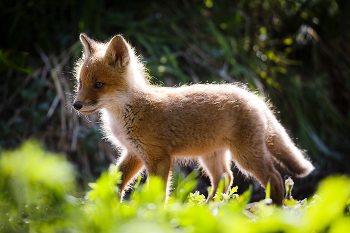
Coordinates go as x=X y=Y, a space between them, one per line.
x=214 y=123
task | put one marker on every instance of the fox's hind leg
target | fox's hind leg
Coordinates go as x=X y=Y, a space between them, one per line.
x=215 y=164
x=253 y=157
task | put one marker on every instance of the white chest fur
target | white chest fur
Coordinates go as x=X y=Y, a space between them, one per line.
x=115 y=130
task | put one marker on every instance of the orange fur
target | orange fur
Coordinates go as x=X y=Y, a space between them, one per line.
x=155 y=124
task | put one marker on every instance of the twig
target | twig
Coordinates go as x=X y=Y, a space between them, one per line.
x=20 y=88
x=62 y=98
x=53 y=106
x=14 y=117
x=75 y=138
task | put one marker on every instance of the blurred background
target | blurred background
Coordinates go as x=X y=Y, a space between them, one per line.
x=294 y=53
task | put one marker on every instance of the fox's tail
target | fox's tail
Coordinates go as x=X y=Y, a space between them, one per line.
x=283 y=149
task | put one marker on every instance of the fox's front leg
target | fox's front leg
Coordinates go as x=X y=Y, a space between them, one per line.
x=129 y=164
x=160 y=167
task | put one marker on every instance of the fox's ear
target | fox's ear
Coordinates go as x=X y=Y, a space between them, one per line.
x=88 y=44
x=117 y=53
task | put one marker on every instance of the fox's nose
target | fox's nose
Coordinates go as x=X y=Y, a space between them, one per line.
x=77 y=105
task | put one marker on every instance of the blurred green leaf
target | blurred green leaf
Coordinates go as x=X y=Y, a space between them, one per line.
x=42 y=199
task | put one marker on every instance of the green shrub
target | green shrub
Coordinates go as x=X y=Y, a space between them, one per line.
x=38 y=194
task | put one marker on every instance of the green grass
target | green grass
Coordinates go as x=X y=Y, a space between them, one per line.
x=38 y=194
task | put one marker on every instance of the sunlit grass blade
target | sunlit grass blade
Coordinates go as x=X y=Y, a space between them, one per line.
x=268 y=189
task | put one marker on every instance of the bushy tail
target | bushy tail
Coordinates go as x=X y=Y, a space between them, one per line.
x=283 y=149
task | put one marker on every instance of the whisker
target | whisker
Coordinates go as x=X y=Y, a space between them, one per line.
x=87 y=119
x=79 y=114
x=70 y=97
x=67 y=66
x=68 y=105
x=64 y=71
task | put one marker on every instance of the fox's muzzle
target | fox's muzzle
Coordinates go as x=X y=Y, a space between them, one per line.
x=77 y=105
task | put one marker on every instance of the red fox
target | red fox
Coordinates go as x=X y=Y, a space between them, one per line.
x=156 y=124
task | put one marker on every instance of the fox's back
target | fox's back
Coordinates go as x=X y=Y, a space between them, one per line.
x=204 y=103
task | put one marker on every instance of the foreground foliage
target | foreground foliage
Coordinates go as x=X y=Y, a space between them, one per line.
x=38 y=194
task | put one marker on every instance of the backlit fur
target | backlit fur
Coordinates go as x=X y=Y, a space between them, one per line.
x=214 y=123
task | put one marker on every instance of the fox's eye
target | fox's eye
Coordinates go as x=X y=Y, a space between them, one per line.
x=80 y=85
x=98 y=85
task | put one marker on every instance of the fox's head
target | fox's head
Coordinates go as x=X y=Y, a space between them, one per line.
x=102 y=73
